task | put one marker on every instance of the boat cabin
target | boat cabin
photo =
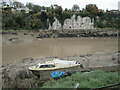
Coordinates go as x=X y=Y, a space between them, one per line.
x=45 y=66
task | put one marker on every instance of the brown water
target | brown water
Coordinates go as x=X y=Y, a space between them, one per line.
x=58 y=48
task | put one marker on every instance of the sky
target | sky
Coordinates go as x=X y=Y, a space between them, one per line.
x=101 y=4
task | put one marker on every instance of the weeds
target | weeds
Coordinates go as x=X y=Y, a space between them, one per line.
x=86 y=80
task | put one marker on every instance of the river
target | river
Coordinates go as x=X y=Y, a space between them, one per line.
x=60 y=47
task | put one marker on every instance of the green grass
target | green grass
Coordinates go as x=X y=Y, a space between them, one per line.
x=86 y=80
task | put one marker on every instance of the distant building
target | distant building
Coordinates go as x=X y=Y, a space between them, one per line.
x=7 y=2
x=14 y=5
x=0 y=4
x=113 y=11
x=119 y=6
x=26 y=10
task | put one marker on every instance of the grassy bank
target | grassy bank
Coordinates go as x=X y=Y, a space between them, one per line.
x=86 y=80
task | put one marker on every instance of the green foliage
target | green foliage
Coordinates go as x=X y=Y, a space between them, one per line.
x=99 y=24
x=8 y=20
x=92 y=8
x=43 y=16
x=107 y=20
x=51 y=17
x=86 y=80
x=58 y=10
x=40 y=16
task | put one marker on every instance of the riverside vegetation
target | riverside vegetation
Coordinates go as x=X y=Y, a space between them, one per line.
x=92 y=79
x=39 y=17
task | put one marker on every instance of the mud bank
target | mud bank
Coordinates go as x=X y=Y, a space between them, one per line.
x=66 y=33
x=17 y=75
x=17 y=36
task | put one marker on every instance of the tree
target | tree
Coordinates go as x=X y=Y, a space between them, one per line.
x=8 y=21
x=30 y=5
x=43 y=18
x=58 y=10
x=28 y=22
x=75 y=7
x=51 y=17
x=92 y=8
x=19 y=18
x=36 y=23
x=18 y=4
x=66 y=10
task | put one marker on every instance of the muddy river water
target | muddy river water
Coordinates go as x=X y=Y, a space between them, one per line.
x=60 y=47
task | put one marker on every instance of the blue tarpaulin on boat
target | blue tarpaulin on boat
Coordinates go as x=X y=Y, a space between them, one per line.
x=57 y=74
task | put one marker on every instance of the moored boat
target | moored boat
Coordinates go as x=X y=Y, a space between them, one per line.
x=43 y=70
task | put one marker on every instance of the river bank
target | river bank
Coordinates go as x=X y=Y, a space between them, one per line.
x=17 y=75
x=19 y=36
x=10 y=36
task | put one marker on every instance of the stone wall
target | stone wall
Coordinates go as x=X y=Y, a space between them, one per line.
x=80 y=23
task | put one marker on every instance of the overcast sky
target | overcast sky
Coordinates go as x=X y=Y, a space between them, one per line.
x=102 y=4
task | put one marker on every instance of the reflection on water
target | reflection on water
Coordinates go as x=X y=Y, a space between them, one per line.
x=58 y=48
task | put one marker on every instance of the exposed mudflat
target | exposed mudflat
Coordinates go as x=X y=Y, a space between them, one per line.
x=17 y=74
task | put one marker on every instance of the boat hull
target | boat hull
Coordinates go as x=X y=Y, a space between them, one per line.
x=45 y=74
